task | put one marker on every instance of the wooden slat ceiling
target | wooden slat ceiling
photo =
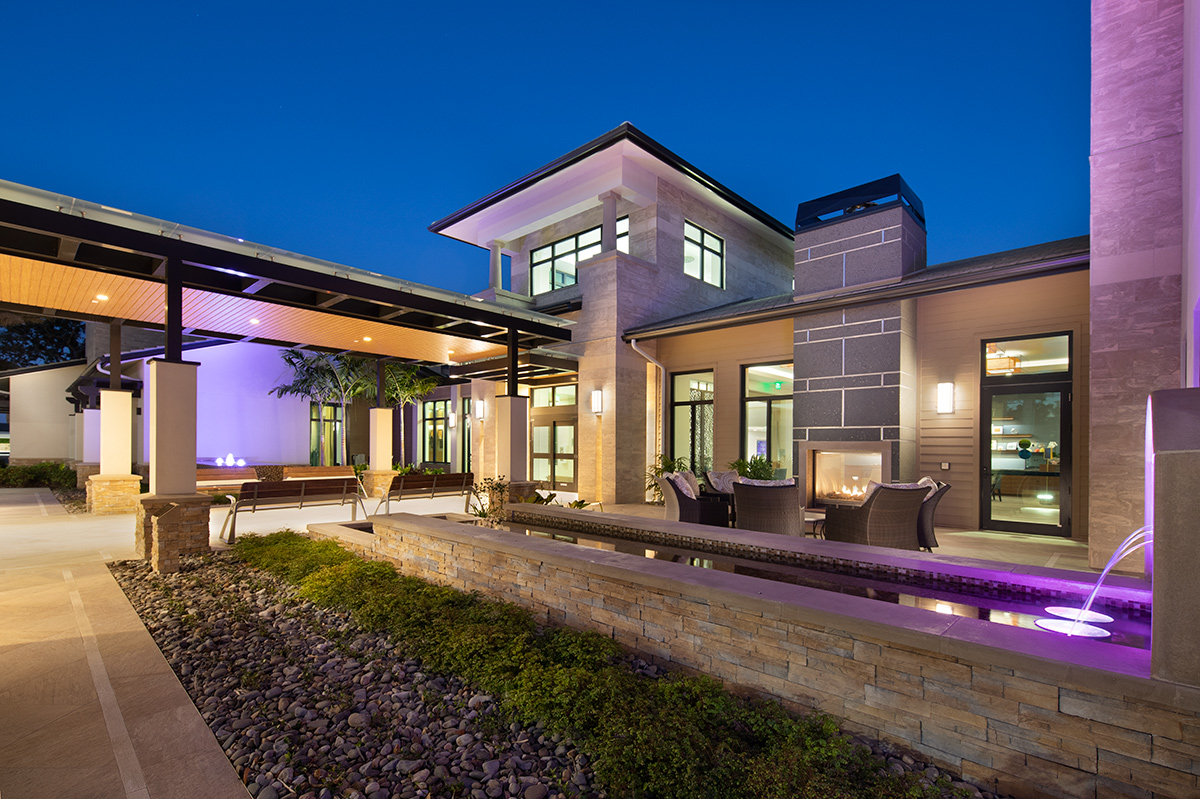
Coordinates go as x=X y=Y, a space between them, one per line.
x=37 y=284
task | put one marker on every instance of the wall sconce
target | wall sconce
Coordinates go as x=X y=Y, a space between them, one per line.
x=479 y=406
x=945 y=398
x=597 y=401
x=452 y=419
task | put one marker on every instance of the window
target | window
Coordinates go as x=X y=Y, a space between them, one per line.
x=553 y=266
x=703 y=255
x=433 y=431
x=324 y=435
x=553 y=396
x=692 y=419
x=464 y=433
x=767 y=415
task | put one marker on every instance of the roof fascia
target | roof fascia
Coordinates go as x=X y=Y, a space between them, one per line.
x=624 y=132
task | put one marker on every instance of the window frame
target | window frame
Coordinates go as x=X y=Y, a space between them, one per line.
x=553 y=254
x=701 y=242
x=692 y=418
x=430 y=421
x=769 y=402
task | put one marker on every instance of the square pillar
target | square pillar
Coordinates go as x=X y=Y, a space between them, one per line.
x=88 y=436
x=381 y=438
x=116 y=432
x=1174 y=434
x=512 y=438
x=171 y=403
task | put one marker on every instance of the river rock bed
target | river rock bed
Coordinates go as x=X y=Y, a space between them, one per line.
x=306 y=704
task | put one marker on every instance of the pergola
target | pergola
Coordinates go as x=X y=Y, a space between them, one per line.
x=60 y=256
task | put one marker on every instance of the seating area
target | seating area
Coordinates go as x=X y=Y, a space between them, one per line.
x=900 y=516
x=428 y=486
x=295 y=493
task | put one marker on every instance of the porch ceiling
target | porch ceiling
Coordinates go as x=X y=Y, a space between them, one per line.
x=60 y=260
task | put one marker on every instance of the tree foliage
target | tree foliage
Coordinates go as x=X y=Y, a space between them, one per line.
x=40 y=341
x=403 y=385
x=326 y=379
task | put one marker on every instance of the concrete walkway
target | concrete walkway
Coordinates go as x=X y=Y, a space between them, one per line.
x=88 y=705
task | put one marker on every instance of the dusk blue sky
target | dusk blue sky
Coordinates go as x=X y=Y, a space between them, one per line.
x=342 y=130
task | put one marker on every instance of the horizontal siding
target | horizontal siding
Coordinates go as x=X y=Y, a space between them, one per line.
x=950 y=330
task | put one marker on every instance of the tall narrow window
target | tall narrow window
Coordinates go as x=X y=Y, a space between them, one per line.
x=692 y=419
x=324 y=435
x=464 y=433
x=703 y=255
x=433 y=431
x=767 y=415
x=553 y=266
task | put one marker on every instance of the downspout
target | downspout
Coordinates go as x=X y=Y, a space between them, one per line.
x=662 y=370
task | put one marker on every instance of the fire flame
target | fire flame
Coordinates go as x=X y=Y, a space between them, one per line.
x=852 y=492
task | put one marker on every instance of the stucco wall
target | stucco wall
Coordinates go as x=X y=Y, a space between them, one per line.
x=235 y=411
x=39 y=415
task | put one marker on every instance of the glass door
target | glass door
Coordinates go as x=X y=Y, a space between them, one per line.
x=1026 y=436
x=554 y=454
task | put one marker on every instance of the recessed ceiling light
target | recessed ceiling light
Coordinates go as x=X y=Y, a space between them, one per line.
x=366 y=338
x=254 y=321
x=102 y=297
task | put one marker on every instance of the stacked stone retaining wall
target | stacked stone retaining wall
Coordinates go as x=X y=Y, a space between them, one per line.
x=982 y=699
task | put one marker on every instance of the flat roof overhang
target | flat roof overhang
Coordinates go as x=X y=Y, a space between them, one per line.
x=59 y=254
x=531 y=367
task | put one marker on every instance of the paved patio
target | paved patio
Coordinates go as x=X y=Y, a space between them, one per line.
x=89 y=706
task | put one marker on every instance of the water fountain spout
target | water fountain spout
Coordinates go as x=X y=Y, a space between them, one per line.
x=1079 y=619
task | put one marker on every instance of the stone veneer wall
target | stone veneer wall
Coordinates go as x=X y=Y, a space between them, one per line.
x=1137 y=248
x=109 y=495
x=1006 y=719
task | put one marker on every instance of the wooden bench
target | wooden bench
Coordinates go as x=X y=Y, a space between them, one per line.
x=309 y=472
x=428 y=486
x=222 y=478
x=283 y=494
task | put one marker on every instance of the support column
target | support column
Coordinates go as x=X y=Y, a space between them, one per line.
x=115 y=489
x=512 y=438
x=379 y=474
x=172 y=520
x=1173 y=452
x=114 y=355
x=171 y=400
x=608 y=227
x=497 y=265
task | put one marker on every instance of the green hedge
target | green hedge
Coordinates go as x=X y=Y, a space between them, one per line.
x=37 y=475
x=677 y=737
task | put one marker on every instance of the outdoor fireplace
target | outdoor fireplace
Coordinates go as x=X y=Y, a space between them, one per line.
x=841 y=476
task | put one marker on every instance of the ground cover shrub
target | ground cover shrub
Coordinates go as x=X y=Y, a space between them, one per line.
x=675 y=737
x=38 y=475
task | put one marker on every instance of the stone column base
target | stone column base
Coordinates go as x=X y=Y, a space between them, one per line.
x=376 y=482
x=111 y=494
x=164 y=533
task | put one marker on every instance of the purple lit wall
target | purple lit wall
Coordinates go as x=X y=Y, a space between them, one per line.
x=235 y=412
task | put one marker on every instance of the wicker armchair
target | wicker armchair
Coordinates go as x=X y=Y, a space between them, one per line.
x=769 y=509
x=682 y=508
x=925 y=537
x=888 y=518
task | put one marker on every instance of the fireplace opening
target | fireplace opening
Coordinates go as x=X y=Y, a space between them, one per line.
x=842 y=477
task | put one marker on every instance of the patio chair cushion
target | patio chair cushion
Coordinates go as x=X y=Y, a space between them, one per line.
x=692 y=482
x=681 y=482
x=722 y=481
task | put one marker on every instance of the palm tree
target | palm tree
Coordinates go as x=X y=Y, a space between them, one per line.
x=325 y=379
x=402 y=385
